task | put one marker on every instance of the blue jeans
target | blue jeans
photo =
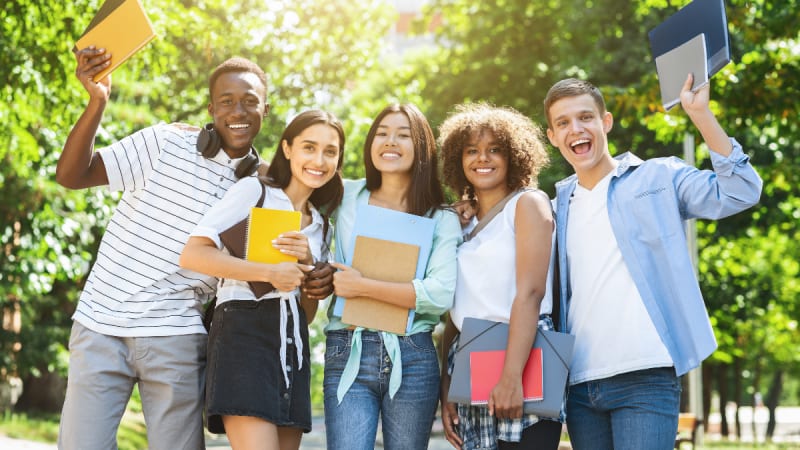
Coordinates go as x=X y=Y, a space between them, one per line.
x=406 y=419
x=631 y=411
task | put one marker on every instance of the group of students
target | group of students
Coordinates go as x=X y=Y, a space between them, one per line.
x=627 y=289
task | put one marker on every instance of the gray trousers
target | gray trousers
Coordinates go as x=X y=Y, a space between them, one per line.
x=102 y=372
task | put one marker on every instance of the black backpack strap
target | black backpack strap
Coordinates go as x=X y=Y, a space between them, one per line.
x=208 y=312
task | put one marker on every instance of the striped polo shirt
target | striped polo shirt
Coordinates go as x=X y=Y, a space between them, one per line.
x=136 y=287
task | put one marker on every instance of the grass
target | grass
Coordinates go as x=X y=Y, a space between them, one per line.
x=44 y=427
x=40 y=427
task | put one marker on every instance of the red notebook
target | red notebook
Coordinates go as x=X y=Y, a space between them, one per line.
x=486 y=367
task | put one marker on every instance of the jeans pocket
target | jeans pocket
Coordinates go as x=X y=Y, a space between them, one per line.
x=337 y=347
x=420 y=341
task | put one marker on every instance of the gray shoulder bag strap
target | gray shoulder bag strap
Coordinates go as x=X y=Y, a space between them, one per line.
x=492 y=212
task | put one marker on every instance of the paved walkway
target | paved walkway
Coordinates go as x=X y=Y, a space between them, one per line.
x=788 y=430
x=315 y=440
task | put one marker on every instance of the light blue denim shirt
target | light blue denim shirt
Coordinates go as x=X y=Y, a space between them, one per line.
x=434 y=293
x=648 y=202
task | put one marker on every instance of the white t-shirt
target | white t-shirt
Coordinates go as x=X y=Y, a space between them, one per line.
x=487 y=272
x=613 y=332
x=136 y=287
x=234 y=207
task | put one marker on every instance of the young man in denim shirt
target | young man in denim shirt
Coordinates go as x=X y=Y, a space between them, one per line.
x=628 y=289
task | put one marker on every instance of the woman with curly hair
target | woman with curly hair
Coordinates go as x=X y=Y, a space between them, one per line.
x=493 y=155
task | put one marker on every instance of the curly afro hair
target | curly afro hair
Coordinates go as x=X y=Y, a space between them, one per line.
x=521 y=140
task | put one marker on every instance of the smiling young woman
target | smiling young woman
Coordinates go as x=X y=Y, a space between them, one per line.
x=258 y=377
x=494 y=154
x=370 y=374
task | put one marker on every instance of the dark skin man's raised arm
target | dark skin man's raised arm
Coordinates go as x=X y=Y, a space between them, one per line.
x=79 y=166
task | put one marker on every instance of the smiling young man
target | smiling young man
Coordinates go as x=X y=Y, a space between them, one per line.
x=139 y=317
x=627 y=283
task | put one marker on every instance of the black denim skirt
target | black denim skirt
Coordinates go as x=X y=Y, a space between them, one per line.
x=244 y=376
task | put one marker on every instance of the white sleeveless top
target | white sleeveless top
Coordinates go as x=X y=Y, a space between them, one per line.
x=487 y=276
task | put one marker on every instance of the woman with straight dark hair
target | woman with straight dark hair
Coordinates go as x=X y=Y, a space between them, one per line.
x=372 y=374
x=258 y=377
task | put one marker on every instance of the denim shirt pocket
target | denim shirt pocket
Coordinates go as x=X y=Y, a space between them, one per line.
x=651 y=214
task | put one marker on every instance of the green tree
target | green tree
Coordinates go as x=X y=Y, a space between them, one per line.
x=509 y=52
x=312 y=51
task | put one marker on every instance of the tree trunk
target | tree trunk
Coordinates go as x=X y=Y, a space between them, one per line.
x=771 y=402
x=737 y=394
x=708 y=376
x=42 y=394
x=755 y=399
x=723 y=371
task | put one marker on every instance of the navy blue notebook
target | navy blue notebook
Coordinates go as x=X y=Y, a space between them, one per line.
x=698 y=17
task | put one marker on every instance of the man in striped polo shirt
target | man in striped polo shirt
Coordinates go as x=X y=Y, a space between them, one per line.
x=138 y=318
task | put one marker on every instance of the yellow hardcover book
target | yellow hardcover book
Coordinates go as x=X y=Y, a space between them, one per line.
x=122 y=28
x=263 y=227
x=383 y=260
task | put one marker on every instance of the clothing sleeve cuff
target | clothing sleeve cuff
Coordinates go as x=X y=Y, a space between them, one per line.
x=112 y=169
x=725 y=165
x=207 y=233
x=419 y=289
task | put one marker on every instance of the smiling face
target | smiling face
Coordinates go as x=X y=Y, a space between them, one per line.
x=313 y=156
x=392 y=148
x=238 y=107
x=485 y=163
x=579 y=131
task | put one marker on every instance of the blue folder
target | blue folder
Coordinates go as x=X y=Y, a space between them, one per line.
x=388 y=224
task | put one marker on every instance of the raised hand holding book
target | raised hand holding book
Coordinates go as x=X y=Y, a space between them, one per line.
x=675 y=48
x=122 y=28
x=674 y=66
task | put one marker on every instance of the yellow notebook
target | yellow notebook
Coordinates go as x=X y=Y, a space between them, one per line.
x=383 y=260
x=263 y=227
x=122 y=28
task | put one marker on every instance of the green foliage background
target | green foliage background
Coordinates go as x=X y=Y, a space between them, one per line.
x=332 y=55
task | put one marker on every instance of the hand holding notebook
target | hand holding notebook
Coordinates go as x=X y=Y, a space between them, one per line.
x=486 y=368
x=674 y=66
x=697 y=31
x=382 y=260
x=122 y=28
x=251 y=239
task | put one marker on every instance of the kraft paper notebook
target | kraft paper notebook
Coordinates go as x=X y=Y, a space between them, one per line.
x=487 y=367
x=387 y=224
x=383 y=260
x=251 y=239
x=673 y=67
x=478 y=335
x=122 y=28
